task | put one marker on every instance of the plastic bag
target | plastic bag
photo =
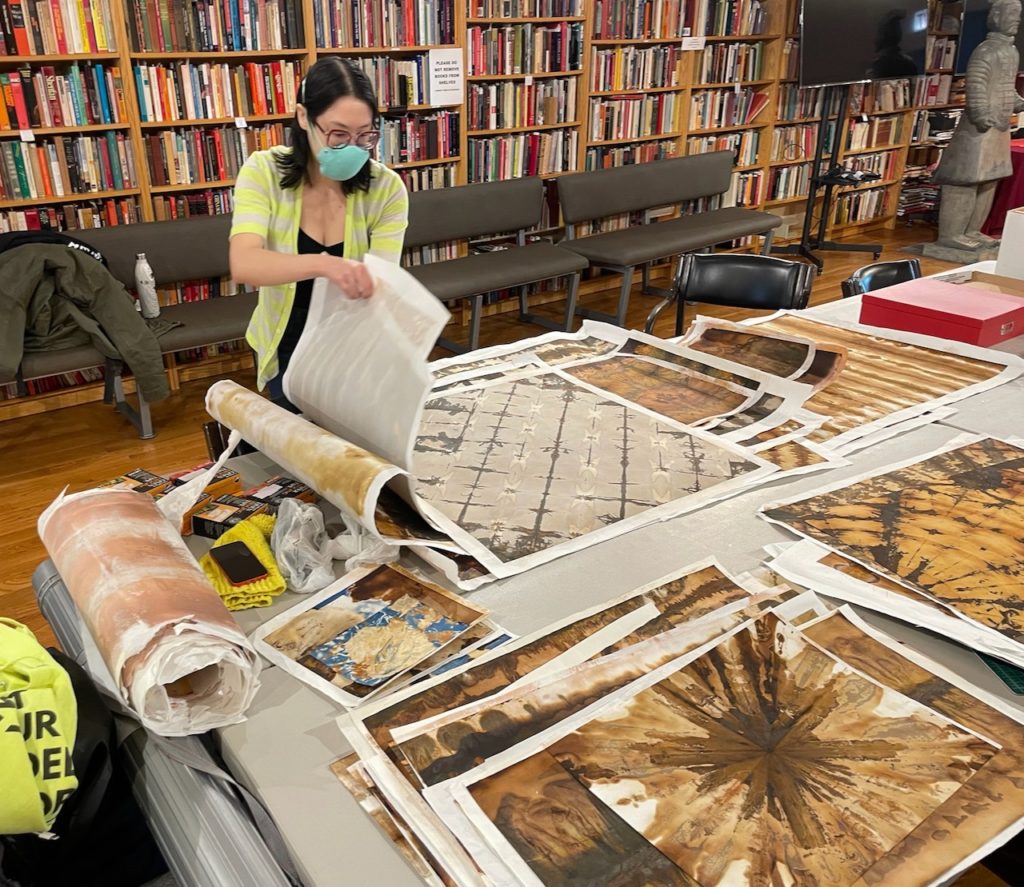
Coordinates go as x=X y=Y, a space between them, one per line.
x=306 y=553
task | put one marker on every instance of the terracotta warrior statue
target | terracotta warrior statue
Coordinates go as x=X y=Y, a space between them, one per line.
x=978 y=155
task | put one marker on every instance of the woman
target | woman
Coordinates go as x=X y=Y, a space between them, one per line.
x=314 y=210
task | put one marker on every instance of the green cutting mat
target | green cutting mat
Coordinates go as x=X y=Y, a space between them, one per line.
x=1010 y=675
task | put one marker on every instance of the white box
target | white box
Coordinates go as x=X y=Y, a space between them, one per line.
x=1010 y=262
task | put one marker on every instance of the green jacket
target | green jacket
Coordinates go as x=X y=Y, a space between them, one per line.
x=53 y=297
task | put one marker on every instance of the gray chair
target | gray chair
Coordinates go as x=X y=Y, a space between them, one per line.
x=185 y=249
x=880 y=275
x=643 y=186
x=494 y=208
x=760 y=283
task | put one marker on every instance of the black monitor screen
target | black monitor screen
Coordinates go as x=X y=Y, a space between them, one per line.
x=973 y=31
x=846 y=41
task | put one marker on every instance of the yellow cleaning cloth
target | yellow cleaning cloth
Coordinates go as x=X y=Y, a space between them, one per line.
x=255 y=533
x=38 y=723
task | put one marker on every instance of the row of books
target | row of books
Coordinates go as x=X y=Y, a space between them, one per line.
x=883 y=164
x=743 y=144
x=861 y=206
x=745 y=189
x=72 y=217
x=194 y=156
x=522 y=154
x=788 y=182
x=941 y=52
x=798 y=142
x=210 y=202
x=875 y=133
x=525 y=8
x=525 y=48
x=383 y=23
x=634 y=67
x=633 y=116
x=427 y=178
x=935 y=89
x=511 y=103
x=436 y=252
x=52 y=27
x=883 y=96
x=397 y=82
x=209 y=352
x=419 y=137
x=729 y=62
x=919 y=196
x=799 y=103
x=715 y=108
x=196 y=291
x=790 y=58
x=639 y=19
x=82 y=96
x=610 y=156
x=66 y=165
x=51 y=384
x=213 y=25
x=734 y=17
x=187 y=91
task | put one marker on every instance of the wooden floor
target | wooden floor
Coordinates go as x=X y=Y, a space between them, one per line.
x=81 y=446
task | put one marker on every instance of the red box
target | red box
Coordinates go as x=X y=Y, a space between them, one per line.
x=960 y=312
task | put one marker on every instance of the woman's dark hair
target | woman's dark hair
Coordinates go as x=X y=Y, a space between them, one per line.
x=326 y=81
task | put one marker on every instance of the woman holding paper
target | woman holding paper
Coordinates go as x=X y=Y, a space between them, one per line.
x=314 y=209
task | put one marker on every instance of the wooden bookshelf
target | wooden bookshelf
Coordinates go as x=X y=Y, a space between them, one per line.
x=679 y=81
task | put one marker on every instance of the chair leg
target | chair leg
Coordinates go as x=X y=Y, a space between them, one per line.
x=680 y=315
x=474 y=321
x=572 y=293
x=524 y=302
x=113 y=386
x=766 y=243
x=652 y=318
x=627 y=286
x=645 y=278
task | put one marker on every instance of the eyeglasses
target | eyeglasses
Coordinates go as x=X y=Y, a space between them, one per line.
x=338 y=138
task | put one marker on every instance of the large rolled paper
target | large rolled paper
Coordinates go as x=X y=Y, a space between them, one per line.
x=174 y=651
x=347 y=476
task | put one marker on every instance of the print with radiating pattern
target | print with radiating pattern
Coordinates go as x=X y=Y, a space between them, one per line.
x=552 y=353
x=881 y=376
x=989 y=802
x=688 y=597
x=455 y=746
x=527 y=465
x=951 y=526
x=766 y=761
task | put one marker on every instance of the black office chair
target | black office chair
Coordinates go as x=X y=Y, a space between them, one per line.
x=880 y=275
x=738 y=281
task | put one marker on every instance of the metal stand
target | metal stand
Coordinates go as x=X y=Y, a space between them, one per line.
x=811 y=243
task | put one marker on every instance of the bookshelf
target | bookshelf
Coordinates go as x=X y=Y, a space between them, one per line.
x=179 y=93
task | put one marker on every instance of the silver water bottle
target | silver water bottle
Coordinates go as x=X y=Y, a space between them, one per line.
x=145 y=286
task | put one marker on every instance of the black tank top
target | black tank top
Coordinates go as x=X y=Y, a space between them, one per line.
x=303 y=294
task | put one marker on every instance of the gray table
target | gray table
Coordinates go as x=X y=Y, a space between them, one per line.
x=283 y=751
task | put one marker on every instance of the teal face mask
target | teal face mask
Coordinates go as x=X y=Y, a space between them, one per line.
x=341 y=164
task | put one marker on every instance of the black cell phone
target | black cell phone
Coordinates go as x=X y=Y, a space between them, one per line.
x=239 y=564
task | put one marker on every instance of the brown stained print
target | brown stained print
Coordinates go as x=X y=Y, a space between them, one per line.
x=644 y=349
x=678 y=394
x=855 y=571
x=524 y=466
x=791 y=455
x=680 y=600
x=552 y=353
x=951 y=525
x=454 y=747
x=881 y=376
x=565 y=835
x=767 y=761
x=770 y=354
x=989 y=803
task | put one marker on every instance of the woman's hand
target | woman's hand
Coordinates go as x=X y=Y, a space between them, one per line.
x=351 y=277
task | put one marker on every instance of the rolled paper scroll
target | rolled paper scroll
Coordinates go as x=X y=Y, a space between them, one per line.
x=347 y=476
x=174 y=651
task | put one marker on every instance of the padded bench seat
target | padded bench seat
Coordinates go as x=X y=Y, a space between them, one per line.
x=500 y=269
x=646 y=243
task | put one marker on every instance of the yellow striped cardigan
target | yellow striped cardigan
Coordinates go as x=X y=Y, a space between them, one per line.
x=375 y=222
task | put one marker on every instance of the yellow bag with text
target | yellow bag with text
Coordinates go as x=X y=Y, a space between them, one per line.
x=38 y=724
